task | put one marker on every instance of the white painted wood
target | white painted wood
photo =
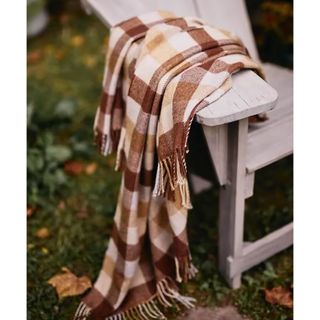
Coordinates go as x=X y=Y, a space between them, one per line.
x=272 y=140
x=249 y=185
x=199 y=184
x=282 y=80
x=232 y=198
x=248 y=96
x=179 y=7
x=269 y=144
x=230 y=15
x=217 y=140
x=112 y=12
x=260 y=250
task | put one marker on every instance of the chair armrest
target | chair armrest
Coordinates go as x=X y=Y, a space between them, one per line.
x=249 y=95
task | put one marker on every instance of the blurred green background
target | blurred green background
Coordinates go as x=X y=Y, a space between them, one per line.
x=72 y=191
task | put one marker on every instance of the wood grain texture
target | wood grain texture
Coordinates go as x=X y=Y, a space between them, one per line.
x=248 y=96
x=261 y=249
x=272 y=140
x=112 y=12
x=217 y=141
x=232 y=200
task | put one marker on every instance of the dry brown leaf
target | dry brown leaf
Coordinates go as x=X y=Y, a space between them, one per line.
x=77 y=40
x=64 y=19
x=34 y=56
x=91 y=168
x=59 y=55
x=73 y=167
x=43 y=233
x=67 y=284
x=82 y=214
x=279 y=295
x=61 y=205
x=30 y=212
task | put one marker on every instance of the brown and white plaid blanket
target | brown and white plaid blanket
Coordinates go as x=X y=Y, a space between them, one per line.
x=160 y=70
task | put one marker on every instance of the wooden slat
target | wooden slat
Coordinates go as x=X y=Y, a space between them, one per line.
x=249 y=95
x=179 y=7
x=262 y=249
x=270 y=144
x=249 y=185
x=199 y=184
x=217 y=140
x=231 y=201
x=230 y=15
x=112 y=12
x=272 y=140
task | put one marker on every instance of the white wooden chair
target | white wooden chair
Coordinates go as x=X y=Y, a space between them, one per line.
x=237 y=149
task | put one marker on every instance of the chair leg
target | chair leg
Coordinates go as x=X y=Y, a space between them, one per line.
x=232 y=201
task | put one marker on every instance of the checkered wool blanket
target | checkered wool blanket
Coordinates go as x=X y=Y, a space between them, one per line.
x=160 y=70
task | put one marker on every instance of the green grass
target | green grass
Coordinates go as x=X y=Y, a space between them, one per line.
x=64 y=83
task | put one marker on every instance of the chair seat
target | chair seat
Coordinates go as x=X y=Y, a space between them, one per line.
x=272 y=140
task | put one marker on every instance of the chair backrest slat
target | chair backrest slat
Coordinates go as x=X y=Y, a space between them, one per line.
x=112 y=12
x=230 y=15
x=179 y=7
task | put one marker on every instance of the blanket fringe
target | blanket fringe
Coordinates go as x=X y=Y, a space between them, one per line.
x=166 y=296
x=171 y=176
x=103 y=143
x=82 y=312
x=185 y=269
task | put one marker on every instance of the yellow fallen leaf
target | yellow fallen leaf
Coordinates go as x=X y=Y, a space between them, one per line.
x=43 y=233
x=111 y=161
x=45 y=250
x=90 y=61
x=91 y=168
x=77 y=40
x=279 y=295
x=67 y=284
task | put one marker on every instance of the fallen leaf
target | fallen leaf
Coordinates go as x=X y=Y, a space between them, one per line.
x=30 y=246
x=73 y=167
x=82 y=214
x=45 y=250
x=279 y=295
x=60 y=55
x=90 y=61
x=67 y=284
x=49 y=49
x=77 y=40
x=30 y=212
x=61 y=205
x=91 y=168
x=34 y=56
x=64 y=19
x=111 y=161
x=43 y=233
